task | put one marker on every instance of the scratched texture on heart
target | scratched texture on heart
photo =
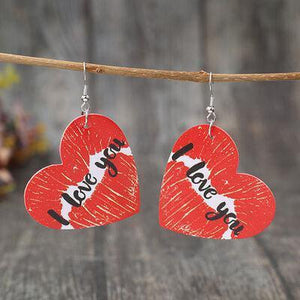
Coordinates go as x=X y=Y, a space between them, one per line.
x=183 y=207
x=109 y=193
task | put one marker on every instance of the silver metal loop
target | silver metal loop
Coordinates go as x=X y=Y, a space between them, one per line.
x=209 y=129
x=211 y=117
x=85 y=106
x=85 y=86
x=86 y=114
x=85 y=98
x=211 y=85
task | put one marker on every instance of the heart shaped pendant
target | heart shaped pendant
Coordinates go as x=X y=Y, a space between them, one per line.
x=96 y=183
x=202 y=194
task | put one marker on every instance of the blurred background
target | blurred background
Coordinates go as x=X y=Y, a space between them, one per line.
x=136 y=259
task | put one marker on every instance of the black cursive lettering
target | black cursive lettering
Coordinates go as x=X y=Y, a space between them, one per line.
x=79 y=194
x=57 y=217
x=105 y=162
x=215 y=216
x=197 y=177
x=223 y=213
x=182 y=151
x=70 y=200
x=112 y=169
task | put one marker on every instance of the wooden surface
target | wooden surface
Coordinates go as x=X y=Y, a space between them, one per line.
x=135 y=259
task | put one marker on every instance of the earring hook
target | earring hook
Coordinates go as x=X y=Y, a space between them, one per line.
x=211 y=85
x=85 y=86
x=211 y=117
x=85 y=106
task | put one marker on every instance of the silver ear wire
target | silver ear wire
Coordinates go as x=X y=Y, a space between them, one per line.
x=211 y=117
x=85 y=106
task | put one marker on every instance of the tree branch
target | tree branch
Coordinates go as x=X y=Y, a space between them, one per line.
x=200 y=76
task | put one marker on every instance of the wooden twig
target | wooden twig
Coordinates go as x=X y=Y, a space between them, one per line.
x=200 y=76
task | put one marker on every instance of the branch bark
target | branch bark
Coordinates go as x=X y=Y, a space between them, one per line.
x=200 y=76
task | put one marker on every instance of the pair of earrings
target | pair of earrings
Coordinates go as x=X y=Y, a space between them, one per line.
x=202 y=194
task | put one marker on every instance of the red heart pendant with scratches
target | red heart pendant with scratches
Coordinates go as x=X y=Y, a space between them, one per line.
x=202 y=194
x=96 y=184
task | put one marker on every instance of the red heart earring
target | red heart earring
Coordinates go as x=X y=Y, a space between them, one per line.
x=202 y=194
x=96 y=183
